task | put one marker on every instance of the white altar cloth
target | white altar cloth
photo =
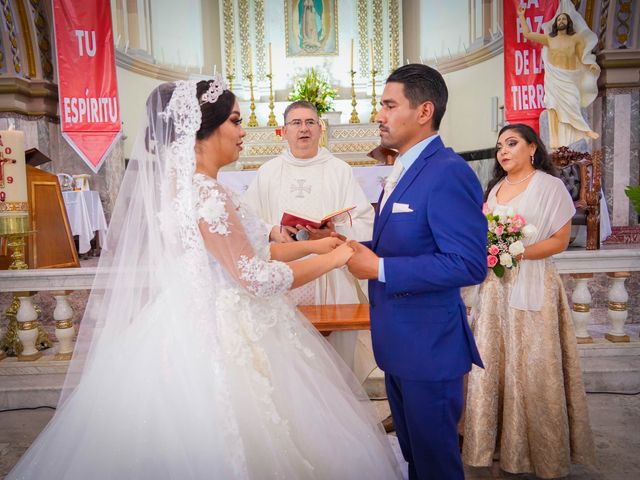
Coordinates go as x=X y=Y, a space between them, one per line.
x=86 y=216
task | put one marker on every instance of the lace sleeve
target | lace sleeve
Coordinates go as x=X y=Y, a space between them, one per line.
x=225 y=238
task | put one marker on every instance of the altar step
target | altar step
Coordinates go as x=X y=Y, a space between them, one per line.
x=606 y=367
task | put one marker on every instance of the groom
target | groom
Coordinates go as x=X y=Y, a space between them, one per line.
x=429 y=239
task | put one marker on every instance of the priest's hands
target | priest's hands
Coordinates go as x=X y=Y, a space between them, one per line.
x=317 y=233
x=364 y=263
x=282 y=234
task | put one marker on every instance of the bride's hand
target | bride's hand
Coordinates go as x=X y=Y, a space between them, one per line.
x=341 y=255
x=325 y=245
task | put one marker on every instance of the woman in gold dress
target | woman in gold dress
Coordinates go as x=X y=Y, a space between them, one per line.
x=528 y=406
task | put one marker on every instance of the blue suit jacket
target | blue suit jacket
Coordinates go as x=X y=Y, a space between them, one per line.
x=418 y=320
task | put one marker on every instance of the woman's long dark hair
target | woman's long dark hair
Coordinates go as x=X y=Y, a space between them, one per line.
x=541 y=159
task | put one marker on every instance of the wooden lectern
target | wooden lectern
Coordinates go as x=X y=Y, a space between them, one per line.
x=51 y=243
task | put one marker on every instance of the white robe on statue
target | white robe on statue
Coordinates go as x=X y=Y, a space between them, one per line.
x=316 y=187
x=568 y=91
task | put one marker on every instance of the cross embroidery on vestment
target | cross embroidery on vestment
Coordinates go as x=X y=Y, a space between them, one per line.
x=300 y=188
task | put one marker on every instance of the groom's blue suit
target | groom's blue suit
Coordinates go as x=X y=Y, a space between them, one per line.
x=421 y=338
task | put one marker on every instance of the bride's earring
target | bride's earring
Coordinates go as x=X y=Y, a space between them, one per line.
x=533 y=159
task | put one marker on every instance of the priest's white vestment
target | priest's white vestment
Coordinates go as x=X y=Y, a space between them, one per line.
x=315 y=187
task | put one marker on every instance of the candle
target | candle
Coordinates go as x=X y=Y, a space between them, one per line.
x=13 y=174
x=352 y=54
x=270 y=69
x=250 y=63
x=371 y=52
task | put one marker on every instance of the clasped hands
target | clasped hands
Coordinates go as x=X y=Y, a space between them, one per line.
x=361 y=261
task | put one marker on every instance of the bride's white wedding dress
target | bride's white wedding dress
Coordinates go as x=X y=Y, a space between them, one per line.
x=250 y=390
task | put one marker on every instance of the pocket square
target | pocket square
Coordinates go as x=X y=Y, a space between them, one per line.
x=401 y=208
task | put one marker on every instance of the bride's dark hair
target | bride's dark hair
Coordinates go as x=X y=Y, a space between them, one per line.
x=213 y=114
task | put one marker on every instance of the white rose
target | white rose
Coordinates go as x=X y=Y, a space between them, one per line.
x=516 y=248
x=529 y=230
x=510 y=212
x=506 y=260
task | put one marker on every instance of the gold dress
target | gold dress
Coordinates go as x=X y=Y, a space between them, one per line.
x=528 y=406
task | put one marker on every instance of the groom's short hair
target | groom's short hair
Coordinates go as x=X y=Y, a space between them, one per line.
x=421 y=84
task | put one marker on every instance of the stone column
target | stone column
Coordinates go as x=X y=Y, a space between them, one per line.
x=581 y=299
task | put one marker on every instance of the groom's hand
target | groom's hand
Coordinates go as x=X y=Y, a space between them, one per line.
x=363 y=264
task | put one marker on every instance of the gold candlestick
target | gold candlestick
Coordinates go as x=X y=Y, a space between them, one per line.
x=253 y=121
x=354 y=113
x=272 y=116
x=374 y=112
x=230 y=78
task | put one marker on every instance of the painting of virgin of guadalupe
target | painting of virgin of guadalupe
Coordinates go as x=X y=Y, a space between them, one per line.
x=312 y=27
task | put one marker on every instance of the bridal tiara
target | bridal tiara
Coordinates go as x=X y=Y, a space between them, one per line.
x=216 y=87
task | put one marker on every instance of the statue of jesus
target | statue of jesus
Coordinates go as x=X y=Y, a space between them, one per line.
x=571 y=73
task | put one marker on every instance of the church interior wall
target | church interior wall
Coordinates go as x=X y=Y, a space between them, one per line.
x=468 y=123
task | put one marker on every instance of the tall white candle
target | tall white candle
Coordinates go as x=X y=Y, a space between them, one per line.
x=13 y=173
x=270 y=69
x=352 y=54
x=371 y=53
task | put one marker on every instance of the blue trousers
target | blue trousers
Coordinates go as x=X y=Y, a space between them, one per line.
x=426 y=416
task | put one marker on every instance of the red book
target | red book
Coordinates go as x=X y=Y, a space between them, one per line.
x=292 y=219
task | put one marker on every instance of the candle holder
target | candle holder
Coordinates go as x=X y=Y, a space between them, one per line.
x=15 y=229
x=272 y=116
x=253 y=121
x=374 y=112
x=230 y=78
x=354 y=113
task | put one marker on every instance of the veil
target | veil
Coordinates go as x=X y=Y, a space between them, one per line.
x=153 y=244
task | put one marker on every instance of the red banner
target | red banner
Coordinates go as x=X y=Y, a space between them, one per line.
x=523 y=67
x=87 y=84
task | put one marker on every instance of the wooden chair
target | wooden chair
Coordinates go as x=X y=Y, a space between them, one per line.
x=581 y=174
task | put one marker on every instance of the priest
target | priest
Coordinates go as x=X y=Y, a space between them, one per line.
x=309 y=180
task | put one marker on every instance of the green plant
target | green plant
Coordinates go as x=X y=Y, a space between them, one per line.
x=314 y=89
x=633 y=192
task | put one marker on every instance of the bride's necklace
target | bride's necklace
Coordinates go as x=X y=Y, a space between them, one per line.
x=506 y=179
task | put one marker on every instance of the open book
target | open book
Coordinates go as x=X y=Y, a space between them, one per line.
x=292 y=219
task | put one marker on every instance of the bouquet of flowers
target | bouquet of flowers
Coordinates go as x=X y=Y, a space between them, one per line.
x=316 y=90
x=506 y=229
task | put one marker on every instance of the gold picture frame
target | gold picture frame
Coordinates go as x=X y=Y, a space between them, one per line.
x=311 y=27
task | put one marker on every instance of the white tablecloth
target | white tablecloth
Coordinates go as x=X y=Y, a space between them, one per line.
x=370 y=179
x=86 y=216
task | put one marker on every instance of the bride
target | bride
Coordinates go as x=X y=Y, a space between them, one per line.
x=190 y=362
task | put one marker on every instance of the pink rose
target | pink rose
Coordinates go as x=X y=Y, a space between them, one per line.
x=492 y=260
x=512 y=229
x=494 y=250
x=518 y=220
x=499 y=230
x=485 y=208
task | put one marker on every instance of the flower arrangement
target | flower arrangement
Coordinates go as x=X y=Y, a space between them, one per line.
x=314 y=89
x=506 y=229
